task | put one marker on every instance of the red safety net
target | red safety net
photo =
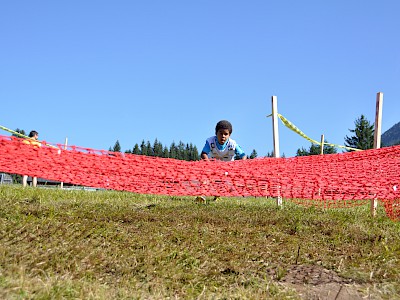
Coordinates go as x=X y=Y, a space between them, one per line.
x=333 y=180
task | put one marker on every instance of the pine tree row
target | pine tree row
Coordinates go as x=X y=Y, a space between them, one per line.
x=180 y=151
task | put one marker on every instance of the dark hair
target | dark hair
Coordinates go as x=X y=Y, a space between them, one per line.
x=224 y=124
x=33 y=133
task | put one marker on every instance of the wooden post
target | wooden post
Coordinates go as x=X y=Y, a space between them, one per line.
x=377 y=139
x=378 y=121
x=276 y=139
x=275 y=125
x=65 y=148
x=322 y=144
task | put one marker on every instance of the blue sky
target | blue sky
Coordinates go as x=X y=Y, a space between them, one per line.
x=101 y=71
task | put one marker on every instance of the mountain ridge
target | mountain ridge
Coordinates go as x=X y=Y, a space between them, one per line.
x=391 y=136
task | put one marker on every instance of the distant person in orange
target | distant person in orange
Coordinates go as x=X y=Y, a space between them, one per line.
x=33 y=140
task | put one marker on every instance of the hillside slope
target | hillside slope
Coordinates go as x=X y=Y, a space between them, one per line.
x=391 y=136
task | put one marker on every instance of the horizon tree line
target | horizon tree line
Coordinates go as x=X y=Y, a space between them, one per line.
x=362 y=138
x=180 y=150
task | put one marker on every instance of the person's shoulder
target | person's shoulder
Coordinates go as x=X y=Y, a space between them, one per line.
x=211 y=138
x=32 y=142
x=232 y=141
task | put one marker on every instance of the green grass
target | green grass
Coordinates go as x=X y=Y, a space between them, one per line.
x=60 y=244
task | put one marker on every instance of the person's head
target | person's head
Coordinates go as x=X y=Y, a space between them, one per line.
x=34 y=134
x=223 y=131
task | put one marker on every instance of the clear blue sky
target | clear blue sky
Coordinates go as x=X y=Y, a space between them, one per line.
x=101 y=71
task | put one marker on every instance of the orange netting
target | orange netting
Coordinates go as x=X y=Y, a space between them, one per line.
x=334 y=180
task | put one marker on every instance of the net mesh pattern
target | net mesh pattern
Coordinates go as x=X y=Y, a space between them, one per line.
x=333 y=180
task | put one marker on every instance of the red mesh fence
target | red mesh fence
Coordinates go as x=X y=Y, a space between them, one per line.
x=333 y=180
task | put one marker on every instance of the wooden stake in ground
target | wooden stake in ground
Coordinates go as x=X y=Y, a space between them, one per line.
x=377 y=139
x=276 y=138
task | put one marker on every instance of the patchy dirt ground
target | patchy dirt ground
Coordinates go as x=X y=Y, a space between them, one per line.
x=316 y=282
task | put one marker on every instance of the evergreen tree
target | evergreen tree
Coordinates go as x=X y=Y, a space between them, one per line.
x=173 y=150
x=302 y=152
x=181 y=151
x=270 y=154
x=193 y=153
x=116 y=148
x=21 y=131
x=196 y=153
x=165 y=153
x=328 y=149
x=363 y=137
x=186 y=153
x=157 y=148
x=253 y=154
x=316 y=150
x=136 y=149
x=143 y=148
x=150 y=151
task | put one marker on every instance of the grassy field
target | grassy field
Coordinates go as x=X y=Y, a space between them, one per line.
x=60 y=244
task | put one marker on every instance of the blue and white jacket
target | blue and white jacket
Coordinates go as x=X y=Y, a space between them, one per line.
x=225 y=152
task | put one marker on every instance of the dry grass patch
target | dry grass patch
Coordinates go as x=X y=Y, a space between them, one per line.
x=57 y=244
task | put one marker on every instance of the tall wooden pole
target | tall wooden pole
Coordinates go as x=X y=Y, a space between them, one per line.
x=377 y=139
x=276 y=140
x=275 y=125
x=378 y=120
x=322 y=144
